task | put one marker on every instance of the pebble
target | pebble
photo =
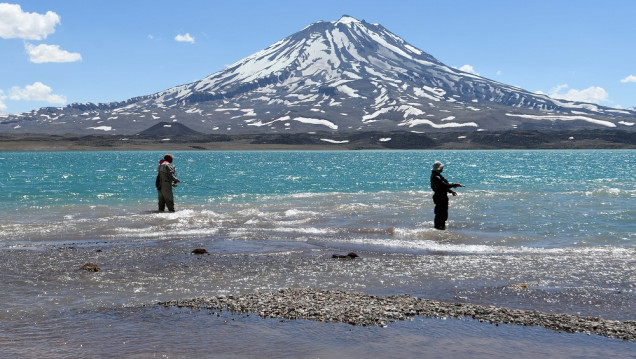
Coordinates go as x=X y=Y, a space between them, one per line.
x=369 y=310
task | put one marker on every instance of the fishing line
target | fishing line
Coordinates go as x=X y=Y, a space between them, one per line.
x=197 y=184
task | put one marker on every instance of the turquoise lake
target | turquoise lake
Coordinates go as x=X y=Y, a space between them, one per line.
x=563 y=222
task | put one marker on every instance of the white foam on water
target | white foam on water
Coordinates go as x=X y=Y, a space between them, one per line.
x=164 y=232
x=303 y=230
x=295 y=212
x=609 y=191
x=459 y=249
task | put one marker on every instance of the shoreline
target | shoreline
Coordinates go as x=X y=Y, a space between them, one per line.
x=368 y=310
x=582 y=139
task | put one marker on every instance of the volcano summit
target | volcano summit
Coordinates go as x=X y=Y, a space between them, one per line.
x=343 y=76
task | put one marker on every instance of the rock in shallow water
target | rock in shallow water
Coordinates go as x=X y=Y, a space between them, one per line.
x=90 y=267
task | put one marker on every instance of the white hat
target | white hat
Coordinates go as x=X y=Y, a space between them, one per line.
x=438 y=166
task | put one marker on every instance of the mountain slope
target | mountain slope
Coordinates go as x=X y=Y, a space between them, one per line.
x=343 y=76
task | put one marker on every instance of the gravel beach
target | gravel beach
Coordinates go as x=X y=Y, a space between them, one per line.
x=369 y=310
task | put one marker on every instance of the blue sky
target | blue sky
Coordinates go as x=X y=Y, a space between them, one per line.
x=53 y=53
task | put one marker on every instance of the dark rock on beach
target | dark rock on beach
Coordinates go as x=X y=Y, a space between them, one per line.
x=349 y=255
x=200 y=251
x=369 y=310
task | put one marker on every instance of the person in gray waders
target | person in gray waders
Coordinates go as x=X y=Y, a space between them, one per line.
x=441 y=188
x=166 y=179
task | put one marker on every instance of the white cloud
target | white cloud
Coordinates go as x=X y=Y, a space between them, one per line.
x=3 y=107
x=50 y=53
x=36 y=92
x=184 y=38
x=630 y=78
x=17 y=24
x=593 y=94
x=469 y=69
x=555 y=90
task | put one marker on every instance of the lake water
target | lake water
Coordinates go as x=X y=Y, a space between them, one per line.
x=563 y=222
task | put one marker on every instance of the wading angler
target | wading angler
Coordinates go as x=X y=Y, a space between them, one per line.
x=166 y=179
x=441 y=188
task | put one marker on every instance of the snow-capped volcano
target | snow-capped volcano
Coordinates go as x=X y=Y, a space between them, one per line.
x=347 y=75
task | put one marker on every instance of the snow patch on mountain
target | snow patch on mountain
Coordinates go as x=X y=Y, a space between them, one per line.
x=377 y=113
x=314 y=121
x=616 y=111
x=348 y=91
x=421 y=93
x=418 y=122
x=565 y=118
x=102 y=128
x=334 y=141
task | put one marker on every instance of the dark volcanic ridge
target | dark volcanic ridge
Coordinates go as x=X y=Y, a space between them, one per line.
x=341 y=76
x=169 y=129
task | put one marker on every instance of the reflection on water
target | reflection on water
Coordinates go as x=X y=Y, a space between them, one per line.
x=147 y=332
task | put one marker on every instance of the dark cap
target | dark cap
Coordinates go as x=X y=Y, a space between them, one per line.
x=438 y=166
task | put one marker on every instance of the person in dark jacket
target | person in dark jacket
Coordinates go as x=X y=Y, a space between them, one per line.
x=166 y=179
x=441 y=188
